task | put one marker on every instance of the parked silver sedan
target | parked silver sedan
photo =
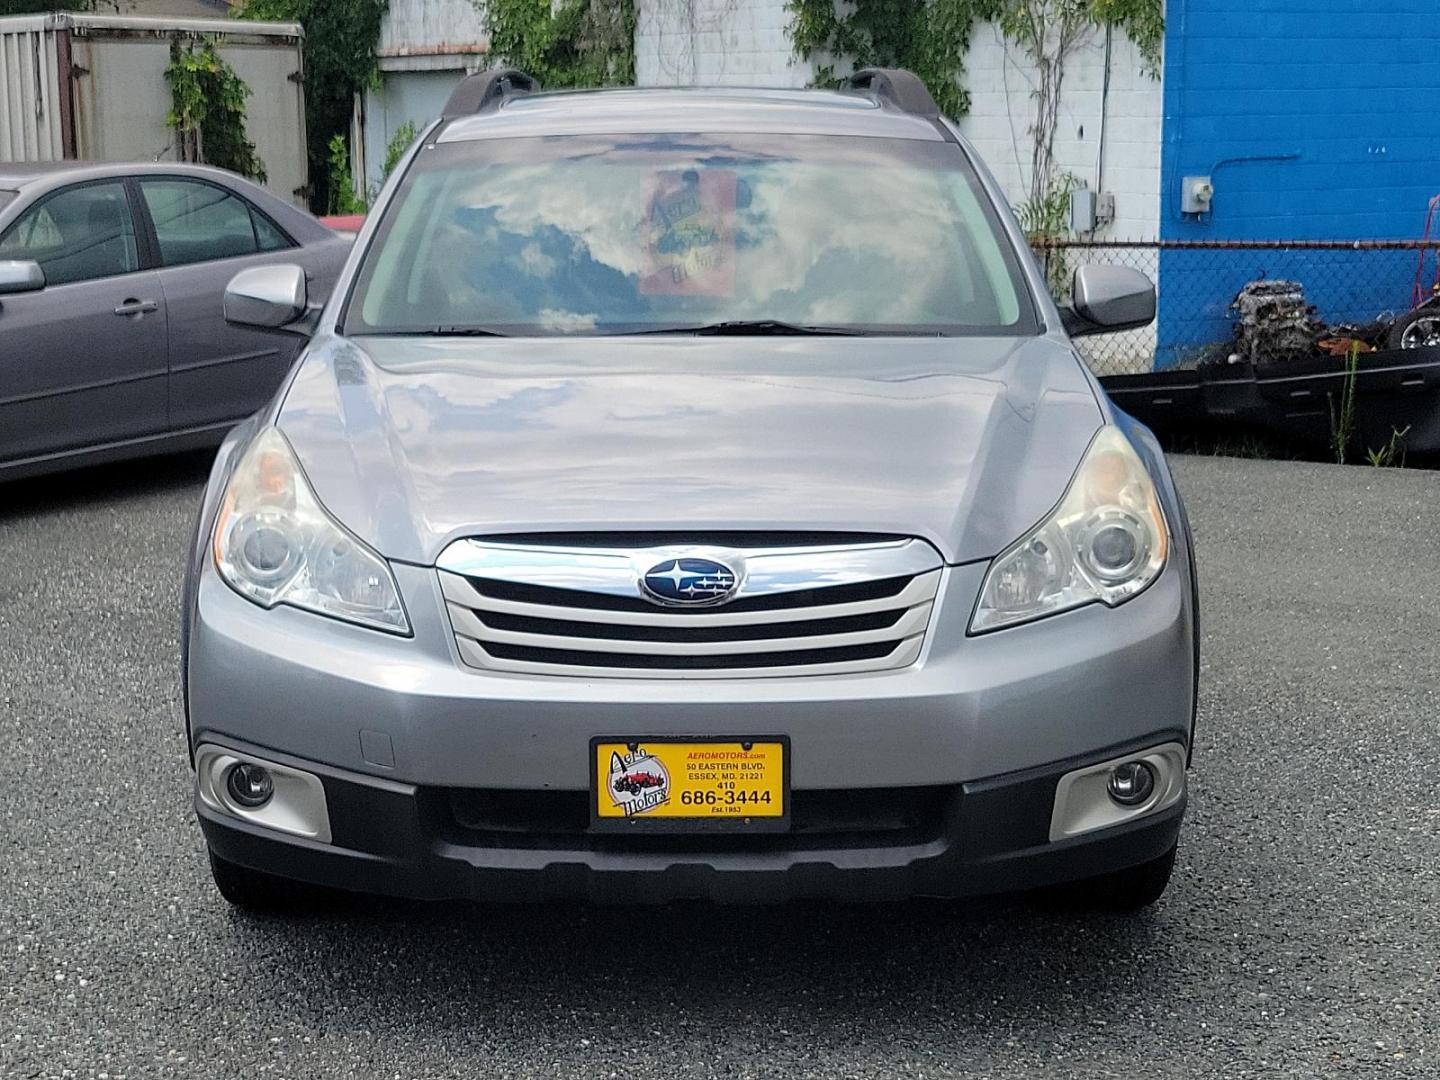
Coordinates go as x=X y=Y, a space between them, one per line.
x=113 y=341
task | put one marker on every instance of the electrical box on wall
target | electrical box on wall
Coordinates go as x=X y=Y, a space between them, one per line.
x=1090 y=209
x=1196 y=195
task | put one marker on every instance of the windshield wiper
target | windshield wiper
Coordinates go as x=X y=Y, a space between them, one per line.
x=433 y=331
x=755 y=327
x=465 y=331
x=728 y=328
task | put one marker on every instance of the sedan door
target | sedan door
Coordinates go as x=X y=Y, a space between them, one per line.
x=83 y=360
x=206 y=234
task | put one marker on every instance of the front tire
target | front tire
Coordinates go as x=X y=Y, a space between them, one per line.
x=261 y=893
x=1131 y=889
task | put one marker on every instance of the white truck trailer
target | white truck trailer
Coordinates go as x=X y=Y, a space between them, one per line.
x=92 y=87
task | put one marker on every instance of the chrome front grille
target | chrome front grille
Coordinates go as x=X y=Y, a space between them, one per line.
x=797 y=611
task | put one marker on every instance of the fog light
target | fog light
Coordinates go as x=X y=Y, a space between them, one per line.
x=249 y=785
x=1131 y=783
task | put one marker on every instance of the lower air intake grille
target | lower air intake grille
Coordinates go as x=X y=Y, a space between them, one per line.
x=819 y=820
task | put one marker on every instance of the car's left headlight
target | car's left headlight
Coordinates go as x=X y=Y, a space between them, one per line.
x=1106 y=541
x=275 y=544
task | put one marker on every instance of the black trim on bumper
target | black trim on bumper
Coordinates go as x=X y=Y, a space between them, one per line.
x=995 y=839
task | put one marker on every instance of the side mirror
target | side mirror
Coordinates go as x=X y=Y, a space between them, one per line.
x=1108 y=298
x=20 y=277
x=269 y=297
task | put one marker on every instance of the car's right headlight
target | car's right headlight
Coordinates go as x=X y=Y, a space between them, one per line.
x=1106 y=541
x=275 y=544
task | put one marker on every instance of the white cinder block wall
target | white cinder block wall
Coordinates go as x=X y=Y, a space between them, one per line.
x=1001 y=79
x=716 y=43
x=744 y=43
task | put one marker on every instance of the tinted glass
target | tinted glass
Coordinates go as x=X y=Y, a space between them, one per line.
x=79 y=234
x=629 y=233
x=197 y=222
x=267 y=235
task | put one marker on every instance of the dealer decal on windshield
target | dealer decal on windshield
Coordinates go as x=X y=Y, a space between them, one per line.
x=689 y=234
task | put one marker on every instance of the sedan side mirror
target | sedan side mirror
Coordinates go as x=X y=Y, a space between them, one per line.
x=270 y=298
x=20 y=276
x=1108 y=298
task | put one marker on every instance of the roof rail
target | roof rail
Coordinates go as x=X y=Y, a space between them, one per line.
x=901 y=88
x=485 y=90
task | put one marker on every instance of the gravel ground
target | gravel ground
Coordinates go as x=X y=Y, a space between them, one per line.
x=1301 y=936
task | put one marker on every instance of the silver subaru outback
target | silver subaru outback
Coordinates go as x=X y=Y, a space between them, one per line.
x=690 y=494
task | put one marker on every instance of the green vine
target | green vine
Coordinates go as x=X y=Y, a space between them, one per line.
x=1046 y=221
x=1143 y=22
x=395 y=149
x=931 y=37
x=575 y=43
x=208 y=110
x=340 y=180
x=40 y=7
x=340 y=37
x=343 y=199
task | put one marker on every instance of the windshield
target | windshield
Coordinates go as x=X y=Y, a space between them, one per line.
x=643 y=233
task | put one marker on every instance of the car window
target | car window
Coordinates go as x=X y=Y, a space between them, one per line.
x=199 y=222
x=78 y=234
x=625 y=234
x=267 y=235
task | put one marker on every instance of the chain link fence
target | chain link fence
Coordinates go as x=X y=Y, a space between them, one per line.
x=1262 y=301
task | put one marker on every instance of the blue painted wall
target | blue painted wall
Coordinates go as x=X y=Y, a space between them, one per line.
x=1316 y=119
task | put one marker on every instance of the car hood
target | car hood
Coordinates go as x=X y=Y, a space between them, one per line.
x=965 y=442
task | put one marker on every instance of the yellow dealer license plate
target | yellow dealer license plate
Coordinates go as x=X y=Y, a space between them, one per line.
x=688 y=783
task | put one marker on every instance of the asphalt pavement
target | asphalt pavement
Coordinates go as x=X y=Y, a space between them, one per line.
x=1301 y=936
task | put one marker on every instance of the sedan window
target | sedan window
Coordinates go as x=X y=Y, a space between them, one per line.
x=268 y=235
x=198 y=222
x=79 y=234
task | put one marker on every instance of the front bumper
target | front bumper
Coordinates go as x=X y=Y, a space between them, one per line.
x=986 y=725
x=402 y=840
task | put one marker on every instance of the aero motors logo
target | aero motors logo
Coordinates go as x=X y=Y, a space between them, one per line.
x=638 y=782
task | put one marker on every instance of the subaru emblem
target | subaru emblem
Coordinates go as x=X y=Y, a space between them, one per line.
x=689 y=582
